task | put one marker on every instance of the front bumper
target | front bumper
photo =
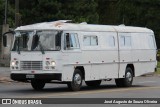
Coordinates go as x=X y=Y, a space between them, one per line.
x=45 y=77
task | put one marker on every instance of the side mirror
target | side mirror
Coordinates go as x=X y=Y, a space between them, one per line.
x=5 y=38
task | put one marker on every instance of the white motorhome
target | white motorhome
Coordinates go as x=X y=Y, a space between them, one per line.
x=70 y=53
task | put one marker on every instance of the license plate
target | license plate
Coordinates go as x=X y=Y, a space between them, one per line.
x=29 y=76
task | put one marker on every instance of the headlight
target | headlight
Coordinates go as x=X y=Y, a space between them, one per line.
x=53 y=63
x=13 y=63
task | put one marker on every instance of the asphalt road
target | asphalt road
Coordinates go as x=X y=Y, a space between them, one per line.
x=143 y=87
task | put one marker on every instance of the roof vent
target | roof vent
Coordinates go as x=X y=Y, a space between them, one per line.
x=122 y=25
x=65 y=21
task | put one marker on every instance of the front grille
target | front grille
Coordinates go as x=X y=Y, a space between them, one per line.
x=31 y=65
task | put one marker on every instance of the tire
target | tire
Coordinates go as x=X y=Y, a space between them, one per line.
x=37 y=84
x=76 y=83
x=127 y=81
x=93 y=83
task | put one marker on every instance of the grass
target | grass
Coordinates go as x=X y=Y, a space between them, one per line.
x=158 y=65
x=158 y=71
x=158 y=68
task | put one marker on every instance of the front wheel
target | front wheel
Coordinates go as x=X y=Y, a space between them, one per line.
x=37 y=84
x=76 y=83
x=127 y=81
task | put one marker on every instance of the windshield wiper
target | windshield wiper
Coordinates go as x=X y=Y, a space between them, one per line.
x=41 y=48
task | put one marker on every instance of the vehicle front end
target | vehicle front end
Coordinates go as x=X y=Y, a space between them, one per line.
x=35 y=55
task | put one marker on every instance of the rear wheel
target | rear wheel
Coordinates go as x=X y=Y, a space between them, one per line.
x=127 y=81
x=76 y=83
x=37 y=84
x=95 y=83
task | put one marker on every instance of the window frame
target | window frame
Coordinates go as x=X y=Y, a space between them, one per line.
x=90 y=41
x=151 y=42
x=125 y=45
x=76 y=38
x=111 y=45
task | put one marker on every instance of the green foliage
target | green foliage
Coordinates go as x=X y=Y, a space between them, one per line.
x=10 y=15
x=50 y=10
x=158 y=65
x=1 y=11
x=34 y=11
x=158 y=68
x=143 y=13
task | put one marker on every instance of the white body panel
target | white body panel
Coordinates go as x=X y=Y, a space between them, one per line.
x=101 y=61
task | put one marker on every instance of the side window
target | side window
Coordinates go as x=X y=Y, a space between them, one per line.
x=125 y=41
x=111 y=41
x=151 y=42
x=86 y=40
x=71 y=41
x=122 y=41
x=90 y=40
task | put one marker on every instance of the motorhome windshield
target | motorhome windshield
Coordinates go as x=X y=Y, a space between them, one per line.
x=37 y=41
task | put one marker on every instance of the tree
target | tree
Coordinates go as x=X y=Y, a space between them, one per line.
x=51 y=10
x=143 y=13
x=2 y=11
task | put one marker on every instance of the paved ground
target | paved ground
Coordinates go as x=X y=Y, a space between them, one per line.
x=143 y=87
x=5 y=74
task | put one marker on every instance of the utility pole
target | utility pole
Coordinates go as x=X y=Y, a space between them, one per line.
x=17 y=15
x=6 y=11
x=4 y=54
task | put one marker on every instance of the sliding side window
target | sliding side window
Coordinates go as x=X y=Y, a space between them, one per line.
x=90 y=40
x=125 y=41
x=71 y=41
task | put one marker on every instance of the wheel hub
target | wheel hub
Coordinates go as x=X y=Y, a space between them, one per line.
x=77 y=79
x=129 y=76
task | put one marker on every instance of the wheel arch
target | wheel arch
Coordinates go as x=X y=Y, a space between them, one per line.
x=81 y=68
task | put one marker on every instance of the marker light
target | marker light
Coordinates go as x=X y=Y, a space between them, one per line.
x=47 y=63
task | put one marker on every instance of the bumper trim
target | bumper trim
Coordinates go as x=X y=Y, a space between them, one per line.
x=45 y=77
